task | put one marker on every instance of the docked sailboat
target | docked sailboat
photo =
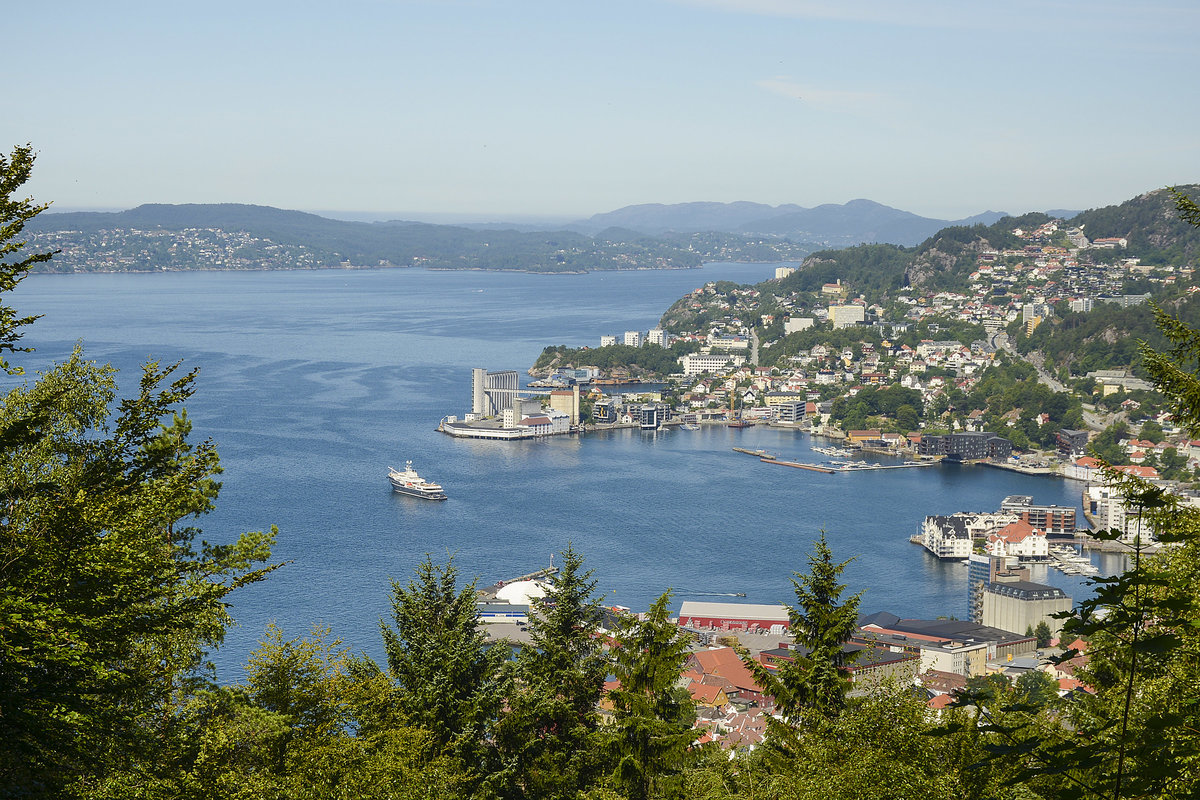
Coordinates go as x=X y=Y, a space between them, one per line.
x=408 y=482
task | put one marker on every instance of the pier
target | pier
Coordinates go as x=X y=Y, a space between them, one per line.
x=851 y=467
x=490 y=591
x=761 y=454
x=797 y=465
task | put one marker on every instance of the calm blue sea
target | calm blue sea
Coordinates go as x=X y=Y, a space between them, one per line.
x=313 y=383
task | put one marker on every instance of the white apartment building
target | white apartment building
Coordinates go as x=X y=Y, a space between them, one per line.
x=845 y=316
x=658 y=336
x=698 y=363
x=796 y=324
x=633 y=338
x=608 y=341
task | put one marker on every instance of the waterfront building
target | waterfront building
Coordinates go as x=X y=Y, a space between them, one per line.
x=605 y=410
x=1109 y=510
x=1019 y=539
x=789 y=411
x=608 y=341
x=1084 y=469
x=547 y=423
x=1018 y=606
x=651 y=416
x=633 y=338
x=492 y=392
x=658 y=336
x=783 y=272
x=953 y=536
x=566 y=401
x=947 y=645
x=733 y=616
x=483 y=429
x=968 y=446
x=1052 y=519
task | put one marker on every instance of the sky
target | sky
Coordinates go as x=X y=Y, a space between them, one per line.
x=473 y=109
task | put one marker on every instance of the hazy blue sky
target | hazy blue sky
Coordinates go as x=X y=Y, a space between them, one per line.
x=501 y=109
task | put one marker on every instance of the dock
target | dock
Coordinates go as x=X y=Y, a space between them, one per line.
x=797 y=465
x=760 y=454
x=490 y=591
x=851 y=467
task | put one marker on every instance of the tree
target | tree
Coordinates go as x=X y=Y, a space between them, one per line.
x=815 y=681
x=548 y=737
x=108 y=604
x=651 y=728
x=449 y=682
x=1043 y=633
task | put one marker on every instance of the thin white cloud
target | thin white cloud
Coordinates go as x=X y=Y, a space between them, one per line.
x=911 y=13
x=826 y=99
x=1111 y=15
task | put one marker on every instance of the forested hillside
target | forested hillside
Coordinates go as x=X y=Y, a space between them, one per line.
x=229 y=236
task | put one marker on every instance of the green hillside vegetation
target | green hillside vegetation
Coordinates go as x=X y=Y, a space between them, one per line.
x=1107 y=337
x=1151 y=225
x=874 y=270
x=649 y=360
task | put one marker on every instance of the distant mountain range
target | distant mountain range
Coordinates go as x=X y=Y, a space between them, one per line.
x=831 y=225
x=828 y=225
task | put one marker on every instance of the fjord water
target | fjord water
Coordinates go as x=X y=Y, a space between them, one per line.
x=313 y=383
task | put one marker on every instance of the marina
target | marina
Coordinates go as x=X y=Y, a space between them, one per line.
x=834 y=467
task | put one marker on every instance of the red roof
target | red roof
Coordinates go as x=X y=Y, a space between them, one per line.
x=704 y=694
x=1139 y=471
x=940 y=701
x=725 y=663
x=1018 y=531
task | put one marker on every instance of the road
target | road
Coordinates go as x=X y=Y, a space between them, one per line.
x=1092 y=417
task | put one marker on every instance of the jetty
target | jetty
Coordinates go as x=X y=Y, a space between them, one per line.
x=850 y=467
x=761 y=454
x=797 y=465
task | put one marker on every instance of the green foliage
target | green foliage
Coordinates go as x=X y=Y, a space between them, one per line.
x=874 y=401
x=1106 y=445
x=651 y=726
x=1107 y=337
x=14 y=264
x=448 y=681
x=874 y=270
x=649 y=359
x=820 y=623
x=549 y=736
x=1155 y=224
x=106 y=604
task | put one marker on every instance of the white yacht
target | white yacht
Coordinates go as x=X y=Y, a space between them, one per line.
x=410 y=483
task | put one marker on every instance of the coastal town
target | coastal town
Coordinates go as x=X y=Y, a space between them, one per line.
x=868 y=377
x=1012 y=635
x=873 y=382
